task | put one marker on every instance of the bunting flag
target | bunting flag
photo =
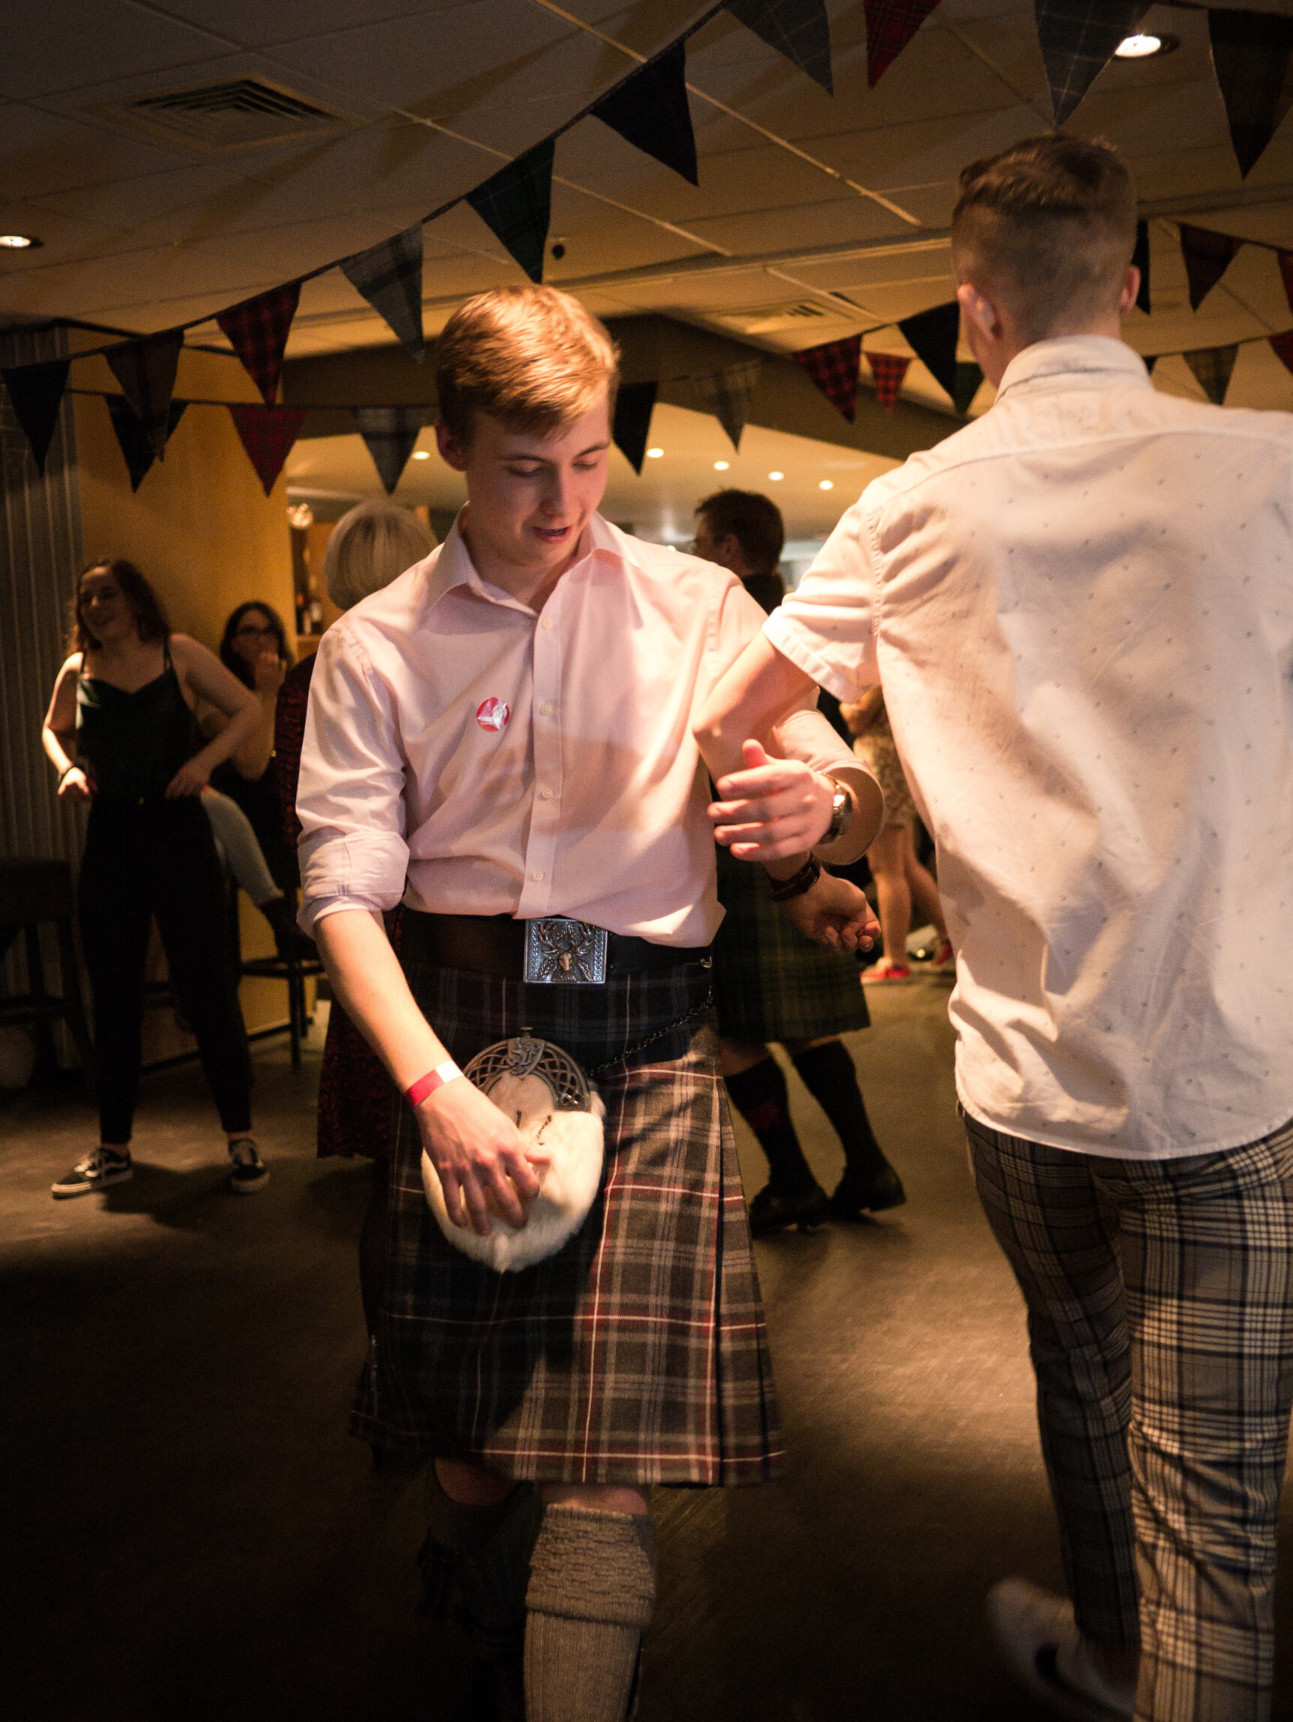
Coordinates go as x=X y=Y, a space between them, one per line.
x=634 y=405
x=36 y=394
x=257 y=330
x=267 y=434
x=1078 y=38
x=1282 y=347
x=146 y=371
x=729 y=393
x=888 y=371
x=932 y=336
x=1140 y=260
x=1151 y=359
x=968 y=378
x=390 y=277
x=833 y=366
x=650 y=111
x=1212 y=367
x=1207 y=257
x=517 y=205
x=799 y=29
x=134 y=439
x=390 y=433
x=890 y=25
x=1250 y=55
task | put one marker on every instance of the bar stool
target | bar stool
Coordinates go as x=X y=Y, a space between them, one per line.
x=31 y=892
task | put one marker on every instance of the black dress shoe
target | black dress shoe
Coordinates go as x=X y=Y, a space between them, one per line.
x=774 y=1210
x=859 y=1193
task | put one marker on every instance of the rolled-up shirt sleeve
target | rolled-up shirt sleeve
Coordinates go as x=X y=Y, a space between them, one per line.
x=350 y=797
x=826 y=625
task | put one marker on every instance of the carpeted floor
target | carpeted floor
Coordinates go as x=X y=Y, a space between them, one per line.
x=189 y=1533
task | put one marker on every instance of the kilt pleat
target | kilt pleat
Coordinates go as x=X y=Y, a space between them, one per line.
x=636 y=1354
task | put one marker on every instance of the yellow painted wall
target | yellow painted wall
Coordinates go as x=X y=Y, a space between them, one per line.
x=207 y=537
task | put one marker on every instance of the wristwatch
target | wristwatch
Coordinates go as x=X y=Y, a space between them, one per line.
x=841 y=813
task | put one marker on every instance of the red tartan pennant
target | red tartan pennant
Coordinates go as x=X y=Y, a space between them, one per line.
x=1282 y=347
x=146 y=371
x=257 y=330
x=833 y=366
x=888 y=370
x=890 y=25
x=267 y=434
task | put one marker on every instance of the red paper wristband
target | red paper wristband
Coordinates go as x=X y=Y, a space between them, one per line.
x=433 y=1079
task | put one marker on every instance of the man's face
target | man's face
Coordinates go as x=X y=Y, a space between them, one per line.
x=713 y=548
x=529 y=497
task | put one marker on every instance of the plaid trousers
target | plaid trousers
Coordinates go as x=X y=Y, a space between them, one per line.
x=1160 y=1321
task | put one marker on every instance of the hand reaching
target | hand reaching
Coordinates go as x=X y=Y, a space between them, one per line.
x=836 y=914
x=774 y=808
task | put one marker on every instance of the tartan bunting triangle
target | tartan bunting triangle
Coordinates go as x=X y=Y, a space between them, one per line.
x=389 y=434
x=267 y=433
x=36 y=394
x=146 y=371
x=389 y=276
x=1077 y=40
x=1286 y=274
x=932 y=336
x=1251 y=54
x=650 y=111
x=968 y=378
x=1282 y=347
x=890 y=25
x=729 y=393
x=1151 y=359
x=257 y=330
x=833 y=367
x=887 y=372
x=134 y=441
x=631 y=428
x=799 y=29
x=1207 y=257
x=516 y=204
x=1212 y=367
x=1140 y=260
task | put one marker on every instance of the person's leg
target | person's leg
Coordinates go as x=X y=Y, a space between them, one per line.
x=238 y=844
x=830 y=1076
x=757 y=1087
x=1207 y=1252
x=893 y=898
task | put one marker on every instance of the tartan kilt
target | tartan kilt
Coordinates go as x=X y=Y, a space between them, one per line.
x=637 y=1354
x=770 y=981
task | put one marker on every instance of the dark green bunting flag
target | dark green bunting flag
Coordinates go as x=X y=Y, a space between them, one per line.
x=36 y=393
x=650 y=111
x=517 y=204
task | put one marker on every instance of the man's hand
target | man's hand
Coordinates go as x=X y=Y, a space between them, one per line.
x=477 y=1151
x=774 y=808
x=836 y=914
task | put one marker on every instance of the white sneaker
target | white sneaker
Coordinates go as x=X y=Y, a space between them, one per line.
x=1036 y=1633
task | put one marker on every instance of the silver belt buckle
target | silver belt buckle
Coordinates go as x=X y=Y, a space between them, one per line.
x=562 y=952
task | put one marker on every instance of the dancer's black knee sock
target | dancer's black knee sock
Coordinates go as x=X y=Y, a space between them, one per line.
x=830 y=1077
x=759 y=1095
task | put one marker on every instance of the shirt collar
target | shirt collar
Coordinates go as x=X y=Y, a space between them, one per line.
x=1070 y=356
x=452 y=565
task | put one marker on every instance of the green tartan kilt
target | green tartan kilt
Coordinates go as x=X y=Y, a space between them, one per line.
x=770 y=982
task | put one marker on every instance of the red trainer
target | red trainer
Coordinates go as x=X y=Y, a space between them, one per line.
x=884 y=971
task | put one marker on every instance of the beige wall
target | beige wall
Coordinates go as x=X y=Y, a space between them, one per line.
x=207 y=537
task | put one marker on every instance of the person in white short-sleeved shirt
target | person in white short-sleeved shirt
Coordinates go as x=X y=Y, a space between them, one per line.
x=1081 y=610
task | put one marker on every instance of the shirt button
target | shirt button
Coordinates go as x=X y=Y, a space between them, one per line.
x=546 y=794
x=546 y=622
x=537 y=876
x=545 y=710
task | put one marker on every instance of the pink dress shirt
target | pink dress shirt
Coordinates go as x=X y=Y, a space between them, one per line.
x=468 y=756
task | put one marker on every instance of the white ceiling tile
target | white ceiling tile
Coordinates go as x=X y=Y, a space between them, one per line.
x=52 y=48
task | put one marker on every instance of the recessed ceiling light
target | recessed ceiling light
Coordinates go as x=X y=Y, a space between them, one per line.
x=19 y=241
x=421 y=454
x=654 y=453
x=722 y=465
x=825 y=484
x=774 y=476
x=1142 y=47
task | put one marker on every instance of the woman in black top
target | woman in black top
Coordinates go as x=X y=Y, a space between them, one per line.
x=121 y=734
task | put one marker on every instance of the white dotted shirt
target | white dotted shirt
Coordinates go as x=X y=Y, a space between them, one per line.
x=1081 y=608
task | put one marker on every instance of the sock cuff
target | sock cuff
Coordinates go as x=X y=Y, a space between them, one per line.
x=593 y=1565
x=814 y=1058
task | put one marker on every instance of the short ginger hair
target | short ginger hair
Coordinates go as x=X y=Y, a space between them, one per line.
x=531 y=356
x=1050 y=226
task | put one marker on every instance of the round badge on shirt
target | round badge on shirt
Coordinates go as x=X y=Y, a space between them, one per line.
x=493 y=714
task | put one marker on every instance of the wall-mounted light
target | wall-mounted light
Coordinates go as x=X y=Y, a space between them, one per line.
x=19 y=241
x=300 y=515
x=1144 y=47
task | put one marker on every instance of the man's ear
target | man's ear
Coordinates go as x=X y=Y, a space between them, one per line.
x=1130 y=288
x=979 y=311
x=451 y=451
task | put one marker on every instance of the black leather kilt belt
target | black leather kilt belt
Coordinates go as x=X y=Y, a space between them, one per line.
x=552 y=951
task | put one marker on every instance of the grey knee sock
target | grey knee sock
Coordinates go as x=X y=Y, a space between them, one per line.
x=592 y=1586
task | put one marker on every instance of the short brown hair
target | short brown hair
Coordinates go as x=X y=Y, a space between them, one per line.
x=151 y=620
x=754 y=520
x=530 y=356
x=1050 y=223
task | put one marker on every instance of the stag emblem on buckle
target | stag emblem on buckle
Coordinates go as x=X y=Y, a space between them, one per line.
x=562 y=952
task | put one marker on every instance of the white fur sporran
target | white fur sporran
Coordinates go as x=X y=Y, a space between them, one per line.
x=558 y=1113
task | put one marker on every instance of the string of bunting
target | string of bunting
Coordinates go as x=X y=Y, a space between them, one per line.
x=1251 y=52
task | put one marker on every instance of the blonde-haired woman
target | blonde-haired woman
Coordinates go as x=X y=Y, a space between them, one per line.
x=369 y=547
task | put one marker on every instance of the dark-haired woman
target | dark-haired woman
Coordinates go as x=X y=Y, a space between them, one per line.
x=121 y=734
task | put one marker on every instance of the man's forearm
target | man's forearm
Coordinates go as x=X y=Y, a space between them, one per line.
x=371 y=987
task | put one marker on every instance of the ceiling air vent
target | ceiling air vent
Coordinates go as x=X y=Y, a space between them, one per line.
x=226 y=116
